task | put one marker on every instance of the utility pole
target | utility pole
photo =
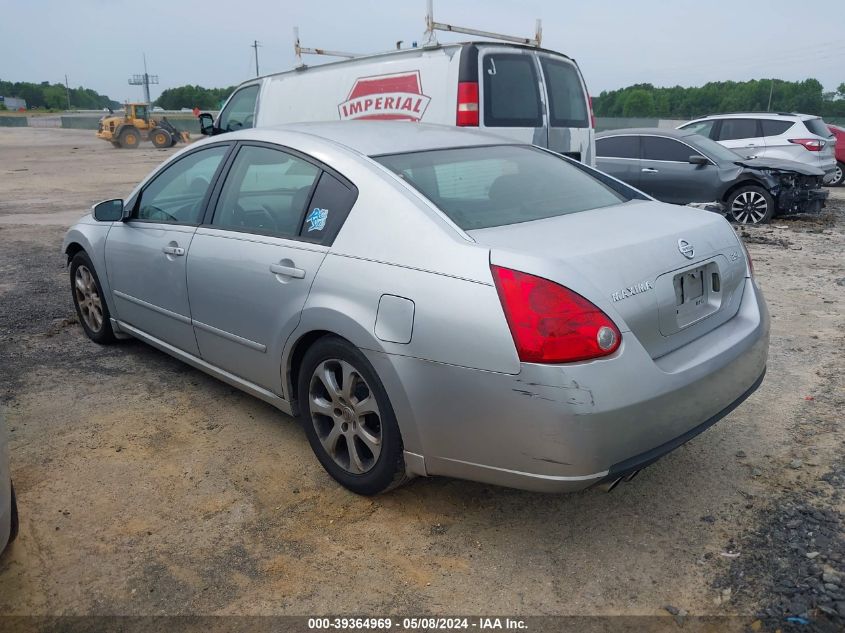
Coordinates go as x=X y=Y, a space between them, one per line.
x=255 y=45
x=67 y=92
x=771 y=90
x=144 y=80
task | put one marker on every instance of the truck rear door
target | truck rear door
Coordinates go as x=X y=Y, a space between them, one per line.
x=570 y=130
x=510 y=93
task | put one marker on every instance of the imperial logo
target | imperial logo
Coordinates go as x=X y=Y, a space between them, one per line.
x=398 y=97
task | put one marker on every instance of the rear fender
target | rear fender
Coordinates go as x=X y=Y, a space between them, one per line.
x=331 y=320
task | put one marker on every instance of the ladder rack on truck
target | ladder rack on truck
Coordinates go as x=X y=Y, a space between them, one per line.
x=431 y=40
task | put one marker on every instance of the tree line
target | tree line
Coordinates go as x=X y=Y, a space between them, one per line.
x=645 y=100
x=55 y=96
x=193 y=97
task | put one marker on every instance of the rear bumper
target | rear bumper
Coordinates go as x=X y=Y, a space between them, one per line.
x=566 y=427
x=638 y=462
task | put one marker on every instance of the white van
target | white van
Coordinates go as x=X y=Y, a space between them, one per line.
x=523 y=92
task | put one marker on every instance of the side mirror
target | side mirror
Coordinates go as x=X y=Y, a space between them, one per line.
x=206 y=124
x=109 y=211
x=698 y=159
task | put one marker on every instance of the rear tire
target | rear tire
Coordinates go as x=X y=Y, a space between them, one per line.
x=348 y=418
x=838 y=177
x=129 y=138
x=161 y=138
x=750 y=204
x=88 y=299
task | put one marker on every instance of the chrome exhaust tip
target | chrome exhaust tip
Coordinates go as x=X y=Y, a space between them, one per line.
x=630 y=476
x=607 y=486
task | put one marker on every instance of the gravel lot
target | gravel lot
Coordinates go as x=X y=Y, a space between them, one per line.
x=146 y=487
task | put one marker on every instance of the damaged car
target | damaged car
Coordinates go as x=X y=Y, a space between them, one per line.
x=683 y=167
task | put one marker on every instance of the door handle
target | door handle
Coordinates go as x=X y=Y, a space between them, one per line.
x=648 y=170
x=287 y=271
x=173 y=250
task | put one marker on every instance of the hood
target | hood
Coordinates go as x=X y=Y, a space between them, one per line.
x=780 y=165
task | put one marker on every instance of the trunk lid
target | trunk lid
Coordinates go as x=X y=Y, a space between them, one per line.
x=629 y=260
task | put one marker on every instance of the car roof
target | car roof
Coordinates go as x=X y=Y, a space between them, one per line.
x=758 y=115
x=373 y=138
x=647 y=131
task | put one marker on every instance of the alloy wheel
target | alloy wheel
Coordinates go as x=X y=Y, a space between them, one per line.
x=345 y=415
x=749 y=207
x=88 y=298
x=837 y=175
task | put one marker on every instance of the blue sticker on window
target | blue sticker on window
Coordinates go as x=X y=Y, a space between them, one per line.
x=317 y=219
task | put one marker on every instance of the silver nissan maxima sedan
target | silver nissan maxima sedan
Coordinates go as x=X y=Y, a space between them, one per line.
x=432 y=301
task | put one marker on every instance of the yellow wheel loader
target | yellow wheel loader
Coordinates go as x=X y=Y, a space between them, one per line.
x=136 y=125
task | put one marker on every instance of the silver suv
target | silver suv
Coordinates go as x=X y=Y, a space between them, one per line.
x=799 y=137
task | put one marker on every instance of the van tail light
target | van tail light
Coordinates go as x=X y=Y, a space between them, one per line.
x=467 y=103
x=810 y=144
x=550 y=323
x=592 y=116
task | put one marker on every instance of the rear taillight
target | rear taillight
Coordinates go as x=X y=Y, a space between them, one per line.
x=810 y=144
x=550 y=323
x=467 y=103
x=747 y=258
x=592 y=116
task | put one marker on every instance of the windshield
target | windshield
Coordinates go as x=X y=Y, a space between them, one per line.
x=481 y=187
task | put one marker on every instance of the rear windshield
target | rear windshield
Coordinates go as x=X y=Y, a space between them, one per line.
x=481 y=187
x=817 y=127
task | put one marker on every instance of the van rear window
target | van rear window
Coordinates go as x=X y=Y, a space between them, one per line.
x=484 y=186
x=511 y=93
x=567 y=101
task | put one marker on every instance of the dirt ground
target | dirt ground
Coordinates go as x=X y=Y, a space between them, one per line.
x=147 y=487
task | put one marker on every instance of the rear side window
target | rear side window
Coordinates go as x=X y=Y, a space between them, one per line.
x=567 y=101
x=265 y=192
x=239 y=113
x=817 y=127
x=666 y=149
x=329 y=207
x=775 y=128
x=618 y=147
x=735 y=129
x=511 y=92
x=481 y=187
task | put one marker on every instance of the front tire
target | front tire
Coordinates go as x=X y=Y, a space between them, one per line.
x=751 y=205
x=161 y=138
x=348 y=418
x=88 y=299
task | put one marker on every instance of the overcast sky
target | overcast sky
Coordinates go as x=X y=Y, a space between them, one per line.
x=99 y=43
